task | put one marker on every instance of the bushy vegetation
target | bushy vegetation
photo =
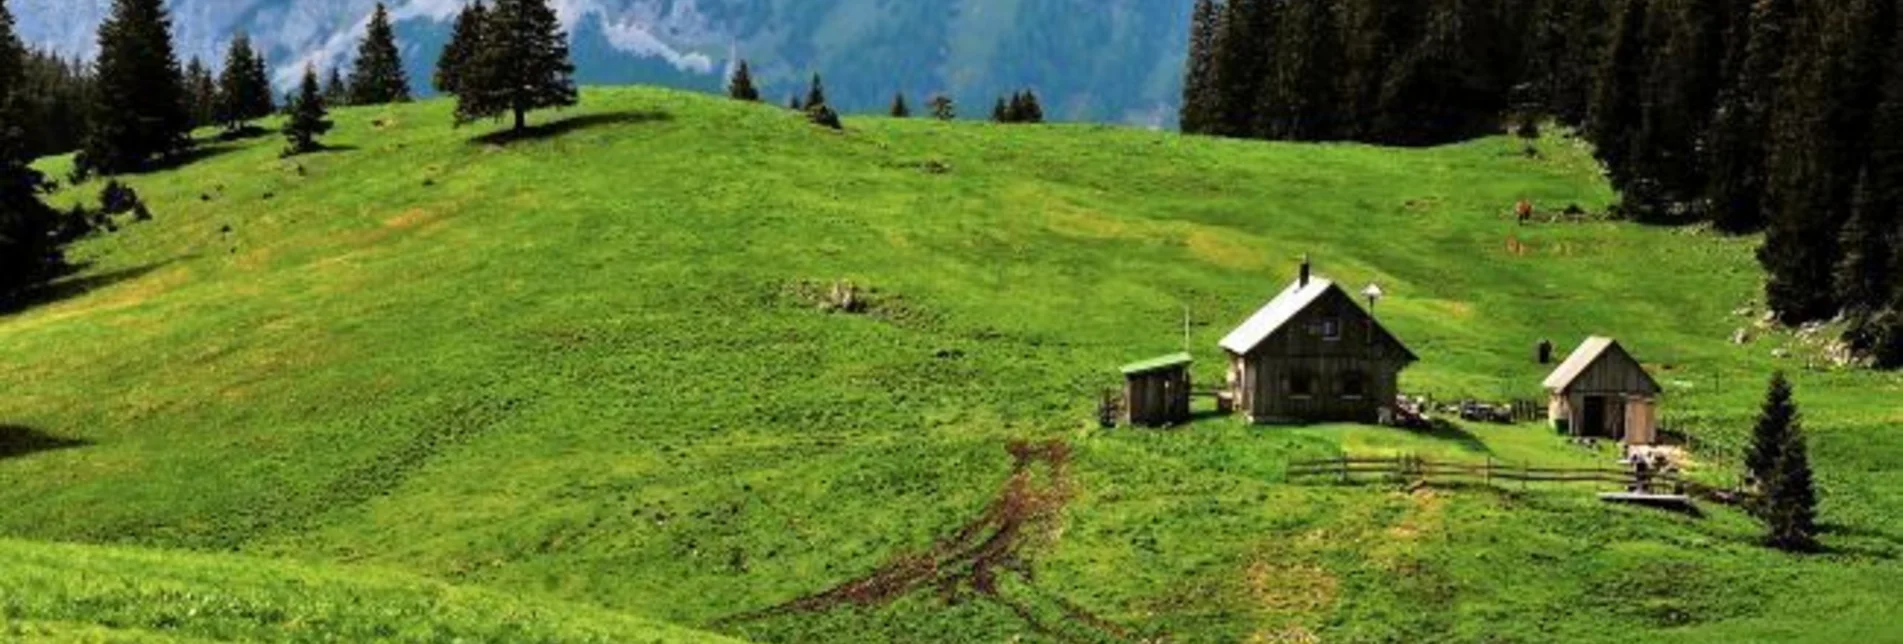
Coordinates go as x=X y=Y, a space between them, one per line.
x=476 y=365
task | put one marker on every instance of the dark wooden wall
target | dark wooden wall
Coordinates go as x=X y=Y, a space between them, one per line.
x=1158 y=398
x=1301 y=347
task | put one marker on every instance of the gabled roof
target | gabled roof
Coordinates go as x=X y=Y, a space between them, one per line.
x=1157 y=364
x=1583 y=358
x=1276 y=313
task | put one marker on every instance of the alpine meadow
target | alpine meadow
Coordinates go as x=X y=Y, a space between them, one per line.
x=533 y=362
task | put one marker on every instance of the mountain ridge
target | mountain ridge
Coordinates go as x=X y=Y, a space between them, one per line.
x=1116 y=61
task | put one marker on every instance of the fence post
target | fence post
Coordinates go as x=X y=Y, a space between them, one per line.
x=1344 y=468
x=1489 y=472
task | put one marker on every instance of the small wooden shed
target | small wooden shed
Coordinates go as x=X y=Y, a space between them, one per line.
x=1156 y=391
x=1602 y=391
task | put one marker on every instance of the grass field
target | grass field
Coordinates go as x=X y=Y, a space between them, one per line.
x=579 y=386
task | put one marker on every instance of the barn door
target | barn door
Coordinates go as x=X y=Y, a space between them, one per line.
x=1592 y=420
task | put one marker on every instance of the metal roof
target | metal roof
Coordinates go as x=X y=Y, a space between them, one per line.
x=1276 y=313
x=1157 y=364
x=1583 y=358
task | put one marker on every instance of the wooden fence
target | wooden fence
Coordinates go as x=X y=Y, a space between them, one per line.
x=1413 y=468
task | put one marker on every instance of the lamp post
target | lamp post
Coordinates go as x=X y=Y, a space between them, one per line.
x=1374 y=294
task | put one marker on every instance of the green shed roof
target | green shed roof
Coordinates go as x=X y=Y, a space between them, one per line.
x=1157 y=364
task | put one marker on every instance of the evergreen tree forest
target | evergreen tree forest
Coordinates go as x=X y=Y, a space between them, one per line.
x=1773 y=116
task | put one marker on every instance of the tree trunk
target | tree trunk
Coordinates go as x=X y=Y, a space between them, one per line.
x=521 y=122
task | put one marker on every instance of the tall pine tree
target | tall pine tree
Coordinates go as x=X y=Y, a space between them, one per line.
x=1200 y=99
x=244 y=91
x=138 y=109
x=28 y=252
x=308 y=119
x=740 y=87
x=201 y=94
x=899 y=108
x=465 y=39
x=379 y=77
x=1616 y=116
x=1740 y=123
x=1780 y=464
x=523 y=65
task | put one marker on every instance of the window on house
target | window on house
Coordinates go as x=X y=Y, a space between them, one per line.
x=1354 y=385
x=1301 y=385
x=1331 y=329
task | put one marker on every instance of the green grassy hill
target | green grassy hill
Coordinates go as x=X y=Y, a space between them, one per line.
x=590 y=372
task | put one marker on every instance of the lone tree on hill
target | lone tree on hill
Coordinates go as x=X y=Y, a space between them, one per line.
x=244 y=94
x=28 y=253
x=899 y=108
x=943 y=108
x=1779 y=462
x=793 y=103
x=465 y=42
x=138 y=107
x=379 y=77
x=523 y=65
x=309 y=119
x=741 y=87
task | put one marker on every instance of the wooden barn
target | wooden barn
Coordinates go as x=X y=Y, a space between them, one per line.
x=1314 y=355
x=1156 y=392
x=1601 y=391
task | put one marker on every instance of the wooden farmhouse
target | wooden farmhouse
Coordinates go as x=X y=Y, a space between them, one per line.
x=1156 y=392
x=1601 y=391
x=1314 y=355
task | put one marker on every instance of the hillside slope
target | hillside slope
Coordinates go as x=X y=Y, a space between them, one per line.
x=592 y=366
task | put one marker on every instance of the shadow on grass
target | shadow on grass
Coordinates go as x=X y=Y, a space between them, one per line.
x=66 y=286
x=1444 y=430
x=572 y=124
x=196 y=154
x=1873 y=543
x=321 y=149
x=17 y=441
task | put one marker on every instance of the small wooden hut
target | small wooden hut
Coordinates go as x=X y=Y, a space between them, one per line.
x=1156 y=391
x=1602 y=391
x=1314 y=355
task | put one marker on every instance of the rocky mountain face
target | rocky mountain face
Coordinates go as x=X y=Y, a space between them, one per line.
x=1103 y=60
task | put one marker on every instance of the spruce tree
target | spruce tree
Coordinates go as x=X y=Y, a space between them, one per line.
x=1862 y=279
x=943 y=108
x=1241 y=48
x=1030 y=111
x=244 y=91
x=523 y=65
x=201 y=94
x=28 y=252
x=1001 y=111
x=1789 y=503
x=1616 y=110
x=336 y=92
x=465 y=40
x=793 y=103
x=308 y=119
x=1770 y=435
x=899 y=108
x=379 y=77
x=1307 y=72
x=138 y=108
x=816 y=95
x=741 y=86
x=1200 y=104
x=1740 y=123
